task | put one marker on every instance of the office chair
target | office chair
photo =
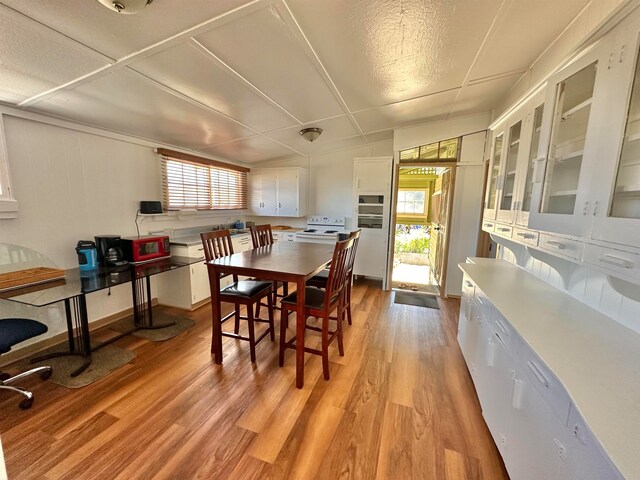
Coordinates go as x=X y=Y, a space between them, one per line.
x=12 y=332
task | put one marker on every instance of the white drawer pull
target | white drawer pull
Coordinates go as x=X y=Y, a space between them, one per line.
x=538 y=374
x=504 y=229
x=502 y=327
x=518 y=390
x=615 y=261
x=488 y=225
x=526 y=235
x=491 y=352
x=558 y=245
x=468 y=283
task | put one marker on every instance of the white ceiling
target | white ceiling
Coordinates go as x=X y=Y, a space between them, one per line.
x=238 y=79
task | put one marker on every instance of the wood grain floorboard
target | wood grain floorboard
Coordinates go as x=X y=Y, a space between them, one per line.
x=400 y=404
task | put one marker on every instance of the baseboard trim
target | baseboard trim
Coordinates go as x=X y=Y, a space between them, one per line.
x=25 y=352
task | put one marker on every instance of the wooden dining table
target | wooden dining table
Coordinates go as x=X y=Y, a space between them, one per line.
x=292 y=262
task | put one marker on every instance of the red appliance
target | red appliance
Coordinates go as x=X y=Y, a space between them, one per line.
x=145 y=249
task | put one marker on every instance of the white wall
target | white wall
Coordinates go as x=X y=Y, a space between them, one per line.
x=330 y=181
x=587 y=24
x=71 y=186
x=409 y=137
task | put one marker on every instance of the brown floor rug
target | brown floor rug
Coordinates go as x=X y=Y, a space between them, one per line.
x=103 y=361
x=416 y=299
x=157 y=335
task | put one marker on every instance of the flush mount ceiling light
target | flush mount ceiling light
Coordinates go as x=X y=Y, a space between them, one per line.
x=311 y=133
x=125 y=6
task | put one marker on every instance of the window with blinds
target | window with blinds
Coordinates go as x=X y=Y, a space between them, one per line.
x=191 y=184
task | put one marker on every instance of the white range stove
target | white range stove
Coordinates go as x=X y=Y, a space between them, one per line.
x=322 y=229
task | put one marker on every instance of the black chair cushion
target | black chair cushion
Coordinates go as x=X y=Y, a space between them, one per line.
x=246 y=288
x=16 y=330
x=319 y=280
x=314 y=298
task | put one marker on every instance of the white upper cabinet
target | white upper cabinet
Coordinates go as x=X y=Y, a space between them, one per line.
x=617 y=189
x=495 y=179
x=279 y=192
x=507 y=189
x=530 y=146
x=571 y=130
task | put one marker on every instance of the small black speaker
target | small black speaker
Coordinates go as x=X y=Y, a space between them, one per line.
x=150 y=207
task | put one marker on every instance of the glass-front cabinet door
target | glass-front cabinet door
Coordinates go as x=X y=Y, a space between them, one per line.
x=508 y=174
x=531 y=152
x=617 y=216
x=490 y=206
x=576 y=96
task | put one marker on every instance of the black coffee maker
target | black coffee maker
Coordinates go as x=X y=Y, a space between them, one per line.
x=109 y=251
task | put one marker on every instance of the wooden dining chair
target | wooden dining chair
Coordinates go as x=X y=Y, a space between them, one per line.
x=218 y=244
x=320 y=280
x=262 y=236
x=320 y=304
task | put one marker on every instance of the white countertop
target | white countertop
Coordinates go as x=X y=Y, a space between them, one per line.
x=596 y=358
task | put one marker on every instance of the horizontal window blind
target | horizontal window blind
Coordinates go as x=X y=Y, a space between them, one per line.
x=188 y=184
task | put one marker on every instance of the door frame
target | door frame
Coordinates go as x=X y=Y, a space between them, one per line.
x=394 y=214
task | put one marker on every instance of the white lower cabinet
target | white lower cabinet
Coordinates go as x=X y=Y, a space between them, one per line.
x=185 y=288
x=537 y=429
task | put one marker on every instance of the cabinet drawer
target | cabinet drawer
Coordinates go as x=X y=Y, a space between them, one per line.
x=614 y=260
x=546 y=383
x=561 y=246
x=505 y=332
x=290 y=237
x=529 y=237
x=196 y=251
x=488 y=226
x=503 y=230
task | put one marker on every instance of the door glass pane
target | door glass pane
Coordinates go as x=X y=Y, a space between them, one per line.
x=510 y=168
x=626 y=199
x=533 y=152
x=495 y=171
x=570 y=122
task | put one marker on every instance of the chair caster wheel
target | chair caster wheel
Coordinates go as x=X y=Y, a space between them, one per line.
x=26 y=403
x=46 y=375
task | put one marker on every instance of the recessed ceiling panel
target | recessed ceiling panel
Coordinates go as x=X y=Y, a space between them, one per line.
x=262 y=49
x=521 y=33
x=119 y=35
x=385 y=51
x=123 y=101
x=429 y=108
x=195 y=73
x=249 y=150
x=34 y=59
x=333 y=129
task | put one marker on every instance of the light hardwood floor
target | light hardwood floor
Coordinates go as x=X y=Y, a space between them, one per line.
x=400 y=404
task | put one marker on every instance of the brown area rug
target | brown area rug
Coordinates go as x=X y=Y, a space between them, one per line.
x=103 y=361
x=417 y=299
x=158 y=335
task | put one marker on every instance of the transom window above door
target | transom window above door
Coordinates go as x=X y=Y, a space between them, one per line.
x=444 y=150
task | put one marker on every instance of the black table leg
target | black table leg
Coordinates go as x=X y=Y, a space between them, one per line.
x=78 y=331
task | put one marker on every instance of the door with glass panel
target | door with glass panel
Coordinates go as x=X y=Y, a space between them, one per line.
x=530 y=152
x=507 y=192
x=494 y=180
x=576 y=96
x=617 y=216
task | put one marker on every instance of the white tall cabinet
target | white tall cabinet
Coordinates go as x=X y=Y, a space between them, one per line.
x=279 y=192
x=372 y=194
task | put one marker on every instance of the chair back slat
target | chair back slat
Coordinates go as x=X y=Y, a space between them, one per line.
x=216 y=244
x=352 y=258
x=338 y=272
x=261 y=235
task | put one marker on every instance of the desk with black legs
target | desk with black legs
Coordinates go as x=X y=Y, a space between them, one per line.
x=77 y=284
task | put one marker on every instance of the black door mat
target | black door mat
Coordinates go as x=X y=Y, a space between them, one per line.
x=416 y=299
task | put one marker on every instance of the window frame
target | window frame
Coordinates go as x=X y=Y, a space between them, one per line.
x=424 y=213
x=8 y=202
